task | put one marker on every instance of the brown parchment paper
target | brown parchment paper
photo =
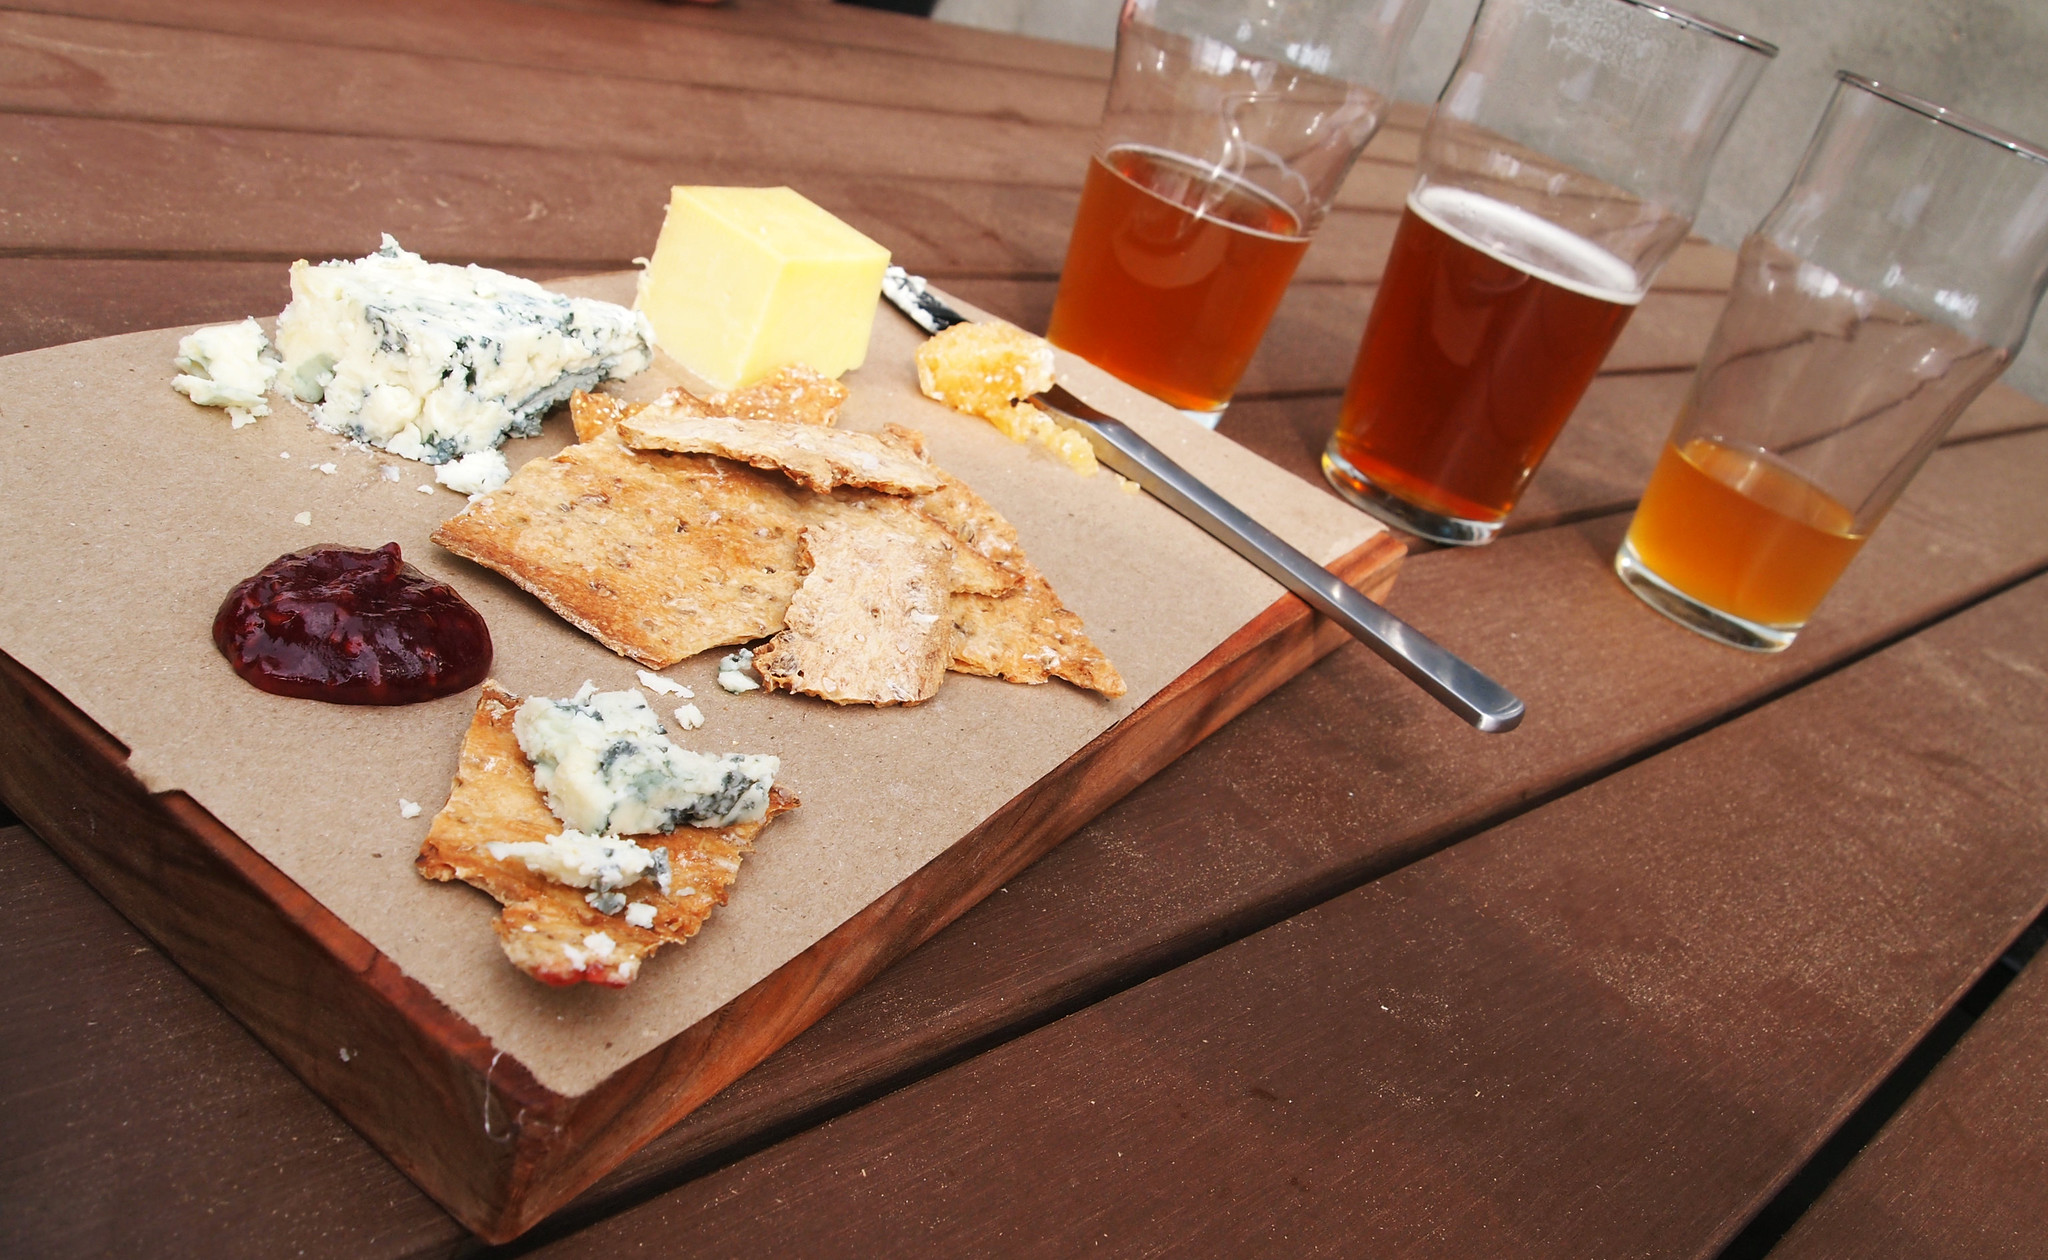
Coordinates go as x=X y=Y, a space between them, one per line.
x=129 y=513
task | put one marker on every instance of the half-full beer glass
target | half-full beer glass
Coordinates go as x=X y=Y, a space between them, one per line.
x=1562 y=165
x=1229 y=127
x=1887 y=288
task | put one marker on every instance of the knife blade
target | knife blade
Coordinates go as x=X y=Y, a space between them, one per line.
x=1454 y=683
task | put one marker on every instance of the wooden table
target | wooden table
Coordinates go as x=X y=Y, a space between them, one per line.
x=1347 y=979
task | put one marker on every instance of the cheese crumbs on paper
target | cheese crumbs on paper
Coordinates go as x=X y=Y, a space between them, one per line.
x=988 y=370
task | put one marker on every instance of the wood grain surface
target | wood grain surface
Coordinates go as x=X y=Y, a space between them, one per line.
x=1665 y=983
x=1957 y=1174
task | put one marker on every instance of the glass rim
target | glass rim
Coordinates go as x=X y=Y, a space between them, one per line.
x=1711 y=27
x=1947 y=117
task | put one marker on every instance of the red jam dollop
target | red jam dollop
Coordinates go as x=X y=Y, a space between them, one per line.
x=352 y=626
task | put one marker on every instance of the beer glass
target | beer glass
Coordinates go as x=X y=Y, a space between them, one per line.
x=1562 y=165
x=1892 y=282
x=1229 y=126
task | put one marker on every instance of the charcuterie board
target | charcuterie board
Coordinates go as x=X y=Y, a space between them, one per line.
x=262 y=843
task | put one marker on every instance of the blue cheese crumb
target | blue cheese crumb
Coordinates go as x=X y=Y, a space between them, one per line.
x=602 y=864
x=664 y=686
x=230 y=366
x=690 y=717
x=478 y=472
x=640 y=914
x=732 y=672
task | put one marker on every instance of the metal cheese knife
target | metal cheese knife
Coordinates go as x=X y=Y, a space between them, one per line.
x=1460 y=688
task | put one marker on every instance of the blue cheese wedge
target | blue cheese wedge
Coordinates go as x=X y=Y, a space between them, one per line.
x=433 y=362
x=230 y=366
x=605 y=764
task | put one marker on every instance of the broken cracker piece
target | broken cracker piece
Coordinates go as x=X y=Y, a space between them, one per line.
x=592 y=414
x=810 y=455
x=871 y=623
x=1027 y=635
x=793 y=393
x=546 y=928
x=970 y=570
x=656 y=556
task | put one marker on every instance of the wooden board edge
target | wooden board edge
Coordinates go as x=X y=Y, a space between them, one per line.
x=472 y=1127
x=303 y=982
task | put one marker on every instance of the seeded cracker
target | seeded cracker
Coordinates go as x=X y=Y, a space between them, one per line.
x=811 y=455
x=870 y=624
x=794 y=393
x=656 y=556
x=494 y=799
x=1027 y=635
x=661 y=556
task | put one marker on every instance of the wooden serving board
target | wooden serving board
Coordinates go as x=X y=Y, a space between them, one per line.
x=478 y=1128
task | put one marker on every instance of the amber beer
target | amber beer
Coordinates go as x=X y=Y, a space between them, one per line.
x=1473 y=358
x=1172 y=275
x=1743 y=532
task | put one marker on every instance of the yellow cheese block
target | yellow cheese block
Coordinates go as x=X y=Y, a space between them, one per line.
x=747 y=280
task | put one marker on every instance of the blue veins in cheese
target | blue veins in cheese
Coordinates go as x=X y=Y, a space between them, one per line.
x=605 y=764
x=433 y=362
x=228 y=365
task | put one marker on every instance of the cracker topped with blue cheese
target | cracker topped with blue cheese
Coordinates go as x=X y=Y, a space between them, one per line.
x=588 y=905
x=433 y=362
x=605 y=763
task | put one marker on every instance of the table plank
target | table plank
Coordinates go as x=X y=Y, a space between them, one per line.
x=1957 y=1173
x=518 y=33
x=118 y=58
x=822 y=20
x=1610 y=1027
x=208 y=1141
x=766 y=107
x=249 y=194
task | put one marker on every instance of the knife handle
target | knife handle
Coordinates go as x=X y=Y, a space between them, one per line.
x=1462 y=689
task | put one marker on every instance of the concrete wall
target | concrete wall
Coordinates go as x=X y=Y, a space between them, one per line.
x=1983 y=57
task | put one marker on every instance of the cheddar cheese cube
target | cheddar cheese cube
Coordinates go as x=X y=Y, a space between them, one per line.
x=747 y=280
